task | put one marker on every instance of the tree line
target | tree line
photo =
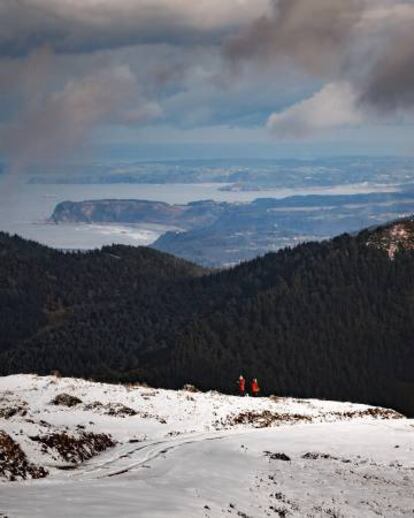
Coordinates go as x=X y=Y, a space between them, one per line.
x=328 y=320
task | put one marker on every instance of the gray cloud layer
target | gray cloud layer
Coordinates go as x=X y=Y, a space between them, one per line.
x=389 y=84
x=87 y=25
x=311 y=33
x=53 y=123
x=198 y=62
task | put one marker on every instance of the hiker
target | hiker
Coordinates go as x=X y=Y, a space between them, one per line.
x=241 y=383
x=255 y=388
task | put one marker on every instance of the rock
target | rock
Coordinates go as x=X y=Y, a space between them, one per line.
x=66 y=400
x=277 y=456
x=315 y=455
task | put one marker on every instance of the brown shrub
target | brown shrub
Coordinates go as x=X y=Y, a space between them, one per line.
x=190 y=388
x=375 y=412
x=9 y=411
x=264 y=419
x=75 y=449
x=111 y=409
x=13 y=461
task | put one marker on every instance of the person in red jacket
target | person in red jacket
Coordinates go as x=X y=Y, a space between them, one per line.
x=241 y=383
x=255 y=388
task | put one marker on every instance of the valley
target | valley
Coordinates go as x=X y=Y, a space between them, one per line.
x=292 y=317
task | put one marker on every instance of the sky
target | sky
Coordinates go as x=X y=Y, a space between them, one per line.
x=209 y=78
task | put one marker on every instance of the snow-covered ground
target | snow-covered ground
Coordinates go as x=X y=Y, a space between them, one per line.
x=185 y=454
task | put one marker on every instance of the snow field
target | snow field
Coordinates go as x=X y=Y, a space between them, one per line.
x=182 y=455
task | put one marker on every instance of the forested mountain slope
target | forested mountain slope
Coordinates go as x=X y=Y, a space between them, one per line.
x=64 y=309
x=330 y=320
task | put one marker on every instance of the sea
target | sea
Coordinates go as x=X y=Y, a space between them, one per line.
x=25 y=208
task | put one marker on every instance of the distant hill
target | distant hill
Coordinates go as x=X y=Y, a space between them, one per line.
x=329 y=320
x=217 y=234
x=138 y=211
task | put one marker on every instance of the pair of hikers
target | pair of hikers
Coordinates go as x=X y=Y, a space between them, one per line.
x=254 y=386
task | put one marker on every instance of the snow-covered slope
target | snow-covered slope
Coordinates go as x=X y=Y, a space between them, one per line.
x=183 y=453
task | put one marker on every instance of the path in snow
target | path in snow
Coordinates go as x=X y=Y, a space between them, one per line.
x=186 y=467
x=365 y=474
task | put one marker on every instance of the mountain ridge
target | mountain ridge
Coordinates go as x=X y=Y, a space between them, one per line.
x=329 y=320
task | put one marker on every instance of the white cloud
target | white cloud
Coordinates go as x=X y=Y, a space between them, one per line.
x=333 y=106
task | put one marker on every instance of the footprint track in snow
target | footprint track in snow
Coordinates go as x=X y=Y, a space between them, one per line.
x=151 y=451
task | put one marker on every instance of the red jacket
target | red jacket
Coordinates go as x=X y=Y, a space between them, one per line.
x=255 y=387
x=242 y=384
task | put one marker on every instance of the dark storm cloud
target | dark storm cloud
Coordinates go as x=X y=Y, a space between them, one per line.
x=311 y=33
x=389 y=85
x=84 y=26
